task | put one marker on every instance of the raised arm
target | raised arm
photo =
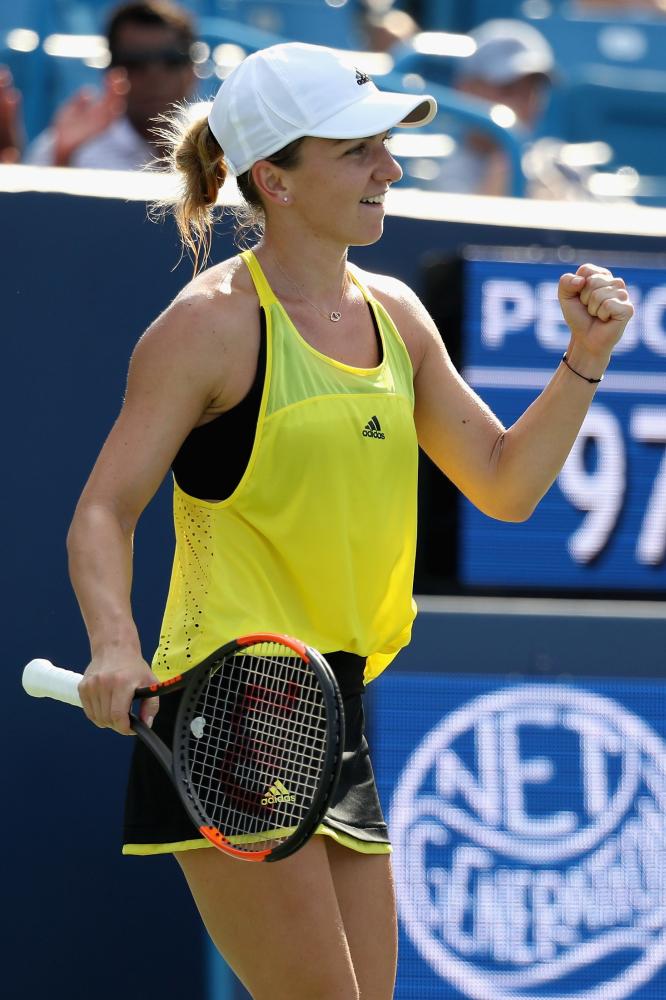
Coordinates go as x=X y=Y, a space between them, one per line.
x=506 y=472
x=174 y=378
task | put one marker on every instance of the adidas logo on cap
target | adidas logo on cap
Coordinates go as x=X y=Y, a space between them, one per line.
x=373 y=430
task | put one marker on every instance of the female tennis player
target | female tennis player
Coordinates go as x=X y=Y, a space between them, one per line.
x=289 y=390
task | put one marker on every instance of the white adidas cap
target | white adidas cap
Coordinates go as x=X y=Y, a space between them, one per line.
x=288 y=91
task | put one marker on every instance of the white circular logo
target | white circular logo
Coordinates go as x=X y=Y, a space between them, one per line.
x=529 y=831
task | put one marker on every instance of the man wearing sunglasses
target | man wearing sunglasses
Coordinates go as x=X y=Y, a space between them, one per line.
x=150 y=68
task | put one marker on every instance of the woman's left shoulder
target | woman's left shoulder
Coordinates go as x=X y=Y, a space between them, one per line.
x=390 y=291
x=403 y=305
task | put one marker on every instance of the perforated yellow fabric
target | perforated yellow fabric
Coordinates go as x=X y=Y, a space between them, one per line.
x=318 y=539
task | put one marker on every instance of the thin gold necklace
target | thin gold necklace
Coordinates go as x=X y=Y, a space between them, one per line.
x=335 y=316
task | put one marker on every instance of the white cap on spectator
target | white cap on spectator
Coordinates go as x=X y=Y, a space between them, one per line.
x=288 y=91
x=507 y=50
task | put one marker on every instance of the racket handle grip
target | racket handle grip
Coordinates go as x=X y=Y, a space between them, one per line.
x=41 y=679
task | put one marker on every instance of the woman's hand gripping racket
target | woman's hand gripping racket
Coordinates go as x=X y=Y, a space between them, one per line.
x=257 y=745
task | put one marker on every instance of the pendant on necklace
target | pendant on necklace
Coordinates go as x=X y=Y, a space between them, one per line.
x=335 y=317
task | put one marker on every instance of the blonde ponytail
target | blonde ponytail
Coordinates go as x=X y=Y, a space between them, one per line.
x=193 y=153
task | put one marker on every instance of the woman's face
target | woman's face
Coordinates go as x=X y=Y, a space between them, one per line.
x=332 y=182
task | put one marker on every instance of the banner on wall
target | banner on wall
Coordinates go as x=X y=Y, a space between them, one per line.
x=529 y=830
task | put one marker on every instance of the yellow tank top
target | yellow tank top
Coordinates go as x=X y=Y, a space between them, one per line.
x=318 y=539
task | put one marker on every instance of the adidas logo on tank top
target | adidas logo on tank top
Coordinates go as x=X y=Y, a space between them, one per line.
x=373 y=430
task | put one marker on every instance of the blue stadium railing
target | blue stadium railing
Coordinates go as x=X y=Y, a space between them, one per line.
x=611 y=84
x=462 y=15
x=629 y=115
x=635 y=41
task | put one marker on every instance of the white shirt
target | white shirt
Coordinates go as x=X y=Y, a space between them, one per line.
x=119 y=147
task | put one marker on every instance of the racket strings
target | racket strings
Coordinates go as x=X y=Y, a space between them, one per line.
x=257 y=744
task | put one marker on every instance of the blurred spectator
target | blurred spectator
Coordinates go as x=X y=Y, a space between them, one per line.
x=11 y=127
x=513 y=64
x=387 y=31
x=151 y=68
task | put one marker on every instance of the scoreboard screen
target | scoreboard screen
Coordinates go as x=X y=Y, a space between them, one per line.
x=602 y=525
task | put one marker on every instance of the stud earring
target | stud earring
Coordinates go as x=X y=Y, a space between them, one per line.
x=286 y=198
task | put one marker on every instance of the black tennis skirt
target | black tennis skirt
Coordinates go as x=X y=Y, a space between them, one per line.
x=157 y=823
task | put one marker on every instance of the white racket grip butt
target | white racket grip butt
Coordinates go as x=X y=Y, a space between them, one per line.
x=41 y=679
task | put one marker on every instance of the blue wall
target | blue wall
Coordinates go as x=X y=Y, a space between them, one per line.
x=73 y=305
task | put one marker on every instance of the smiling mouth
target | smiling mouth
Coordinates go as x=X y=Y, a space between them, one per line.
x=377 y=199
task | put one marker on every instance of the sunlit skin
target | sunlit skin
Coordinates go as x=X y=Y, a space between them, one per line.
x=347 y=171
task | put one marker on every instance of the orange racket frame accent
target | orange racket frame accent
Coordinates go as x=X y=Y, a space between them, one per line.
x=286 y=640
x=163 y=684
x=222 y=844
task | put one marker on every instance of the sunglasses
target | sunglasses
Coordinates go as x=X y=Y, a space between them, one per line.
x=139 y=59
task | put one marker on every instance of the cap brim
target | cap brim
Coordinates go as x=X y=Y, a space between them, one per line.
x=377 y=112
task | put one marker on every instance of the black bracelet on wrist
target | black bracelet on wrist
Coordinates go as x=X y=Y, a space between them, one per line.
x=592 y=381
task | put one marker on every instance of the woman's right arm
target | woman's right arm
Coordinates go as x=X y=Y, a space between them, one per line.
x=174 y=377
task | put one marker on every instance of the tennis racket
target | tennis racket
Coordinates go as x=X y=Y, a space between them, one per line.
x=257 y=744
